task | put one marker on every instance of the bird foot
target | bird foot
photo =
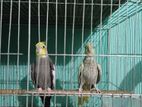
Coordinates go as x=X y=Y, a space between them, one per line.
x=39 y=89
x=96 y=90
x=49 y=90
x=80 y=90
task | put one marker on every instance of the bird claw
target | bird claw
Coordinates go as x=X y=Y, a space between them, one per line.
x=96 y=90
x=80 y=90
x=39 y=89
x=49 y=90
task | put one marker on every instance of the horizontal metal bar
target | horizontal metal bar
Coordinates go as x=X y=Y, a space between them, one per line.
x=71 y=3
x=12 y=91
x=83 y=55
x=102 y=55
x=11 y=53
x=104 y=93
x=80 y=55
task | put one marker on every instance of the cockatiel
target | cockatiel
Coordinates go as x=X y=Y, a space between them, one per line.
x=89 y=73
x=43 y=72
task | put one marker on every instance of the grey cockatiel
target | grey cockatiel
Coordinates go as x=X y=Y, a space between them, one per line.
x=89 y=74
x=43 y=72
x=89 y=71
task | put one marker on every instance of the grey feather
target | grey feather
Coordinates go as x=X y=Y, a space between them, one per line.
x=89 y=72
x=99 y=73
x=42 y=73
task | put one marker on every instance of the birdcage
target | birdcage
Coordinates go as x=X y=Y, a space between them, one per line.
x=114 y=27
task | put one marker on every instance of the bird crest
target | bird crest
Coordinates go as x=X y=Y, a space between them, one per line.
x=41 y=44
x=89 y=49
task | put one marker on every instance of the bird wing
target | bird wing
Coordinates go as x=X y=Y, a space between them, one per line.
x=99 y=72
x=52 y=73
x=83 y=99
x=80 y=72
x=33 y=73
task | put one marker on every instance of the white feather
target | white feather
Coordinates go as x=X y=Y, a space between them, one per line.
x=54 y=80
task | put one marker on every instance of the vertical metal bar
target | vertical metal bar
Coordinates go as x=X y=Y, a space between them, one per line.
x=130 y=41
x=92 y=8
x=112 y=101
x=108 y=72
x=39 y=39
x=29 y=42
x=74 y=99
x=67 y=100
x=56 y=32
x=102 y=98
x=18 y=43
x=140 y=44
x=1 y=27
x=109 y=48
x=121 y=100
x=44 y=100
x=1 y=13
x=9 y=38
x=101 y=18
x=47 y=22
x=125 y=48
x=140 y=100
x=131 y=103
x=111 y=8
x=4 y=76
x=91 y=21
x=56 y=38
x=8 y=48
x=131 y=50
x=109 y=60
x=129 y=47
x=32 y=99
x=65 y=26
x=76 y=104
x=136 y=29
x=54 y=100
x=118 y=49
x=12 y=83
x=73 y=28
x=83 y=16
x=4 y=97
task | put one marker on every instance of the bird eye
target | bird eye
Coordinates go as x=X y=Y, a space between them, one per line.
x=43 y=47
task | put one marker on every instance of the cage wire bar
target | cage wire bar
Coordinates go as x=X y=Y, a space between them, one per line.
x=73 y=33
x=29 y=43
x=112 y=26
x=1 y=27
x=18 y=43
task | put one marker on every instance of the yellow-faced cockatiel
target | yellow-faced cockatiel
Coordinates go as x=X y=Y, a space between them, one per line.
x=43 y=72
x=89 y=73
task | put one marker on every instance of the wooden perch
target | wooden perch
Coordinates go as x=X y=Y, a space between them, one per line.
x=65 y=93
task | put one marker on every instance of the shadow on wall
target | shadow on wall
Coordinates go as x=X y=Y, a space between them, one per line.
x=62 y=101
x=32 y=101
x=133 y=78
